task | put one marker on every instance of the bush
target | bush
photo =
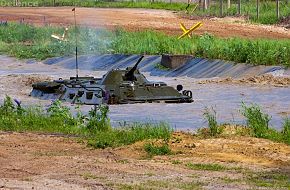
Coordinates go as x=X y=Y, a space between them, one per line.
x=98 y=119
x=210 y=116
x=153 y=150
x=256 y=120
x=286 y=130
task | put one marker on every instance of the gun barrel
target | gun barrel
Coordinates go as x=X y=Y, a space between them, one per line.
x=130 y=73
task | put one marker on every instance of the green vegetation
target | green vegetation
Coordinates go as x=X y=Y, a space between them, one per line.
x=102 y=4
x=160 y=184
x=25 y=41
x=286 y=131
x=269 y=179
x=248 y=8
x=257 y=125
x=129 y=135
x=209 y=167
x=258 y=122
x=94 y=127
x=176 y=162
x=153 y=149
x=161 y=67
x=210 y=115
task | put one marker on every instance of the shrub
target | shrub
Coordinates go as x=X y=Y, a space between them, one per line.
x=286 y=130
x=256 y=120
x=210 y=116
x=98 y=119
x=152 y=149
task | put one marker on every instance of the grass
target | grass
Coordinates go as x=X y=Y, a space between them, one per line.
x=267 y=8
x=210 y=116
x=258 y=122
x=269 y=179
x=257 y=125
x=153 y=150
x=208 y=167
x=160 y=184
x=248 y=10
x=161 y=67
x=25 y=41
x=286 y=130
x=130 y=135
x=94 y=127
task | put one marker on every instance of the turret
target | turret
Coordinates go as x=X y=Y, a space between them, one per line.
x=129 y=76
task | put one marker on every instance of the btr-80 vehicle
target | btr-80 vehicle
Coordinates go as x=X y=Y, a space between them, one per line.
x=116 y=87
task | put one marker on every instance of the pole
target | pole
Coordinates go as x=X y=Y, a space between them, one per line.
x=76 y=40
x=277 y=9
x=258 y=9
x=239 y=7
x=221 y=8
x=204 y=5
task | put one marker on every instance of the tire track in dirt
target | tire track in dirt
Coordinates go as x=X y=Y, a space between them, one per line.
x=139 y=19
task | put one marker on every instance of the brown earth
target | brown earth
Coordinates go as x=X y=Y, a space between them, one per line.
x=38 y=161
x=271 y=80
x=139 y=19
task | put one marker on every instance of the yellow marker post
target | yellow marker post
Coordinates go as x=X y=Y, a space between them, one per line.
x=187 y=32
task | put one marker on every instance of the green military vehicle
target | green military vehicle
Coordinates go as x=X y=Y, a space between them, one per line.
x=115 y=87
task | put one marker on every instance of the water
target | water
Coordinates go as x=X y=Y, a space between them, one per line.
x=226 y=99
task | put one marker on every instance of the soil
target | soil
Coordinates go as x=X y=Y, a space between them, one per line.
x=271 y=80
x=38 y=161
x=139 y=19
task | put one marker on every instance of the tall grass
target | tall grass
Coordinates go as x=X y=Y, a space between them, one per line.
x=152 y=149
x=286 y=130
x=94 y=127
x=25 y=41
x=129 y=135
x=267 y=8
x=258 y=122
x=210 y=116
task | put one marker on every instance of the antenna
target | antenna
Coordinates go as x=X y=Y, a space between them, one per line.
x=76 y=42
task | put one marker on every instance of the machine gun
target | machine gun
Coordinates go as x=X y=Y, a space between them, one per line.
x=129 y=76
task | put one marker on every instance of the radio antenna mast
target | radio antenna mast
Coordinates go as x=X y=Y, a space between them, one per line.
x=76 y=43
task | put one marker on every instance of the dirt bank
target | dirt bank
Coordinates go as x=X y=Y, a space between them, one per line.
x=139 y=19
x=32 y=161
x=254 y=80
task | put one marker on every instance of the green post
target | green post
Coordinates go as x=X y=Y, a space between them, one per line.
x=221 y=8
x=277 y=9
x=258 y=9
x=239 y=7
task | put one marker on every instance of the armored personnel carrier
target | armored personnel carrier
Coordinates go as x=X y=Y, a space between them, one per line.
x=116 y=87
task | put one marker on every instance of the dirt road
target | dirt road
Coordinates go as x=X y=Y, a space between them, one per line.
x=35 y=161
x=138 y=19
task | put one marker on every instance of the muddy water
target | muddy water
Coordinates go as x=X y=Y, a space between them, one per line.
x=224 y=98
